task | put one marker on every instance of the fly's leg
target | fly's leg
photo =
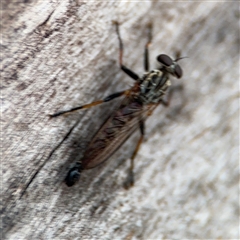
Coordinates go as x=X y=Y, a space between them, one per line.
x=146 y=51
x=106 y=99
x=130 y=179
x=129 y=72
x=167 y=102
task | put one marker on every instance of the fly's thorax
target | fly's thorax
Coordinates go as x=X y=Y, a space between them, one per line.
x=153 y=86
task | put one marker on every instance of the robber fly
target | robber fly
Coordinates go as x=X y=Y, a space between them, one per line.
x=138 y=103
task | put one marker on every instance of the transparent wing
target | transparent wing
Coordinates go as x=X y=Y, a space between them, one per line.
x=115 y=132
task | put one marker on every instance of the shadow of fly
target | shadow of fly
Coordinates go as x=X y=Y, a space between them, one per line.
x=138 y=103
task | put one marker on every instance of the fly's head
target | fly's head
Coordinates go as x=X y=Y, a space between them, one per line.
x=170 y=66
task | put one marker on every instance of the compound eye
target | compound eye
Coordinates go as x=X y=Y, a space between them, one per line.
x=165 y=60
x=72 y=177
x=178 y=71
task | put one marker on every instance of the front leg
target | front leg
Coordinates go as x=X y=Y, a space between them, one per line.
x=167 y=102
x=128 y=71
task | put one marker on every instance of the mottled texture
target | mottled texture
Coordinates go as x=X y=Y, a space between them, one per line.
x=57 y=55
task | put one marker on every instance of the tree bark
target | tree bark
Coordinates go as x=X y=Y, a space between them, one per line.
x=61 y=54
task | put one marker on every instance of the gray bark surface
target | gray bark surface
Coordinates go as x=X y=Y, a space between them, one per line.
x=60 y=54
